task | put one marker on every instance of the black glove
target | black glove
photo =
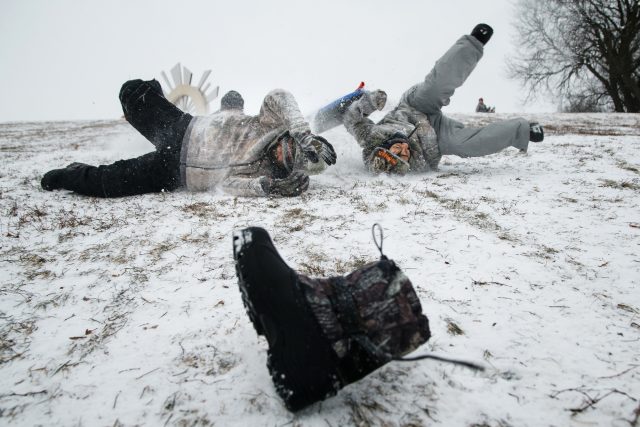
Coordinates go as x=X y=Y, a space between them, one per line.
x=293 y=185
x=324 y=149
x=315 y=147
x=482 y=32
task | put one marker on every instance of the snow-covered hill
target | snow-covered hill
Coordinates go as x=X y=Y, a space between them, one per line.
x=127 y=312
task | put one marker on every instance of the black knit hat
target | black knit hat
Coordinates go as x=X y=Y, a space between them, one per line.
x=396 y=138
x=232 y=100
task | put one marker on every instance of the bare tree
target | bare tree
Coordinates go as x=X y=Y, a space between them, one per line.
x=584 y=52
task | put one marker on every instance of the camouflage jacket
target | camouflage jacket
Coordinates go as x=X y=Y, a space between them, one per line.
x=227 y=149
x=423 y=144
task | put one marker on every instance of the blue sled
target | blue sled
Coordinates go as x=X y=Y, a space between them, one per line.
x=331 y=115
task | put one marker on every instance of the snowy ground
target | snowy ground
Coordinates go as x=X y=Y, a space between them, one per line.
x=127 y=311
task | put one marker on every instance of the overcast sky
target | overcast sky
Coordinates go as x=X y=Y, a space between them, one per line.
x=66 y=59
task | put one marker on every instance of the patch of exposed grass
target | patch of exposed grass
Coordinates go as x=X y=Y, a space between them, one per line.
x=428 y=193
x=448 y=175
x=402 y=200
x=71 y=219
x=14 y=337
x=353 y=263
x=366 y=412
x=608 y=200
x=628 y=308
x=32 y=260
x=55 y=299
x=626 y=166
x=94 y=252
x=297 y=219
x=312 y=269
x=467 y=210
x=210 y=361
x=359 y=203
x=32 y=214
x=576 y=129
x=453 y=328
x=202 y=210
x=545 y=252
x=313 y=265
x=13 y=209
x=570 y=199
x=381 y=206
x=619 y=185
x=161 y=248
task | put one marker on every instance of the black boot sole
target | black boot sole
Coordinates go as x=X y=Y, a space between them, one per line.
x=241 y=241
x=301 y=362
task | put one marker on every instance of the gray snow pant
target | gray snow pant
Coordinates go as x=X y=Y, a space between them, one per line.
x=429 y=96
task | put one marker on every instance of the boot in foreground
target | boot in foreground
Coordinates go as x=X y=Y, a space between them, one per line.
x=325 y=333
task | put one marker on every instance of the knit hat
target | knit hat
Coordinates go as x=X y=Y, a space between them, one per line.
x=396 y=138
x=232 y=100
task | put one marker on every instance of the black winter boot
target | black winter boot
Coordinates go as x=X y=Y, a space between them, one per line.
x=536 y=134
x=300 y=360
x=78 y=177
x=150 y=113
x=52 y=180
x=325 y=333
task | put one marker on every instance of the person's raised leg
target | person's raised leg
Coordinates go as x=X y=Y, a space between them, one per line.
x=151 y=114
x=449 y=72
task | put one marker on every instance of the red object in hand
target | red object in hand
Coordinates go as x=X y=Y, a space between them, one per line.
x=388 y=157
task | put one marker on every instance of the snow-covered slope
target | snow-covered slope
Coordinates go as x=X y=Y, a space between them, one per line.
x=127 y=311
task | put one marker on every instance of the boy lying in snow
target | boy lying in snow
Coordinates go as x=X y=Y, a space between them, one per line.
x=244 y=155
x=415 y=134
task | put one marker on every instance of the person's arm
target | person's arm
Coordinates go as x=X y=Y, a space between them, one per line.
x=280 y=108
x=356 y=118
x=293 y=185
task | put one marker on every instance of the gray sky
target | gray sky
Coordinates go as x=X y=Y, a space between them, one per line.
x=66 y=59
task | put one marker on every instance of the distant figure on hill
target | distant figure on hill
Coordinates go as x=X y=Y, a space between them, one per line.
x=484 y=108
x=415 y=134
x=261 y=155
